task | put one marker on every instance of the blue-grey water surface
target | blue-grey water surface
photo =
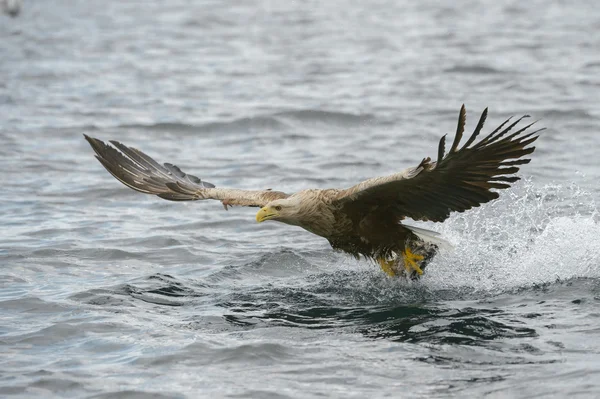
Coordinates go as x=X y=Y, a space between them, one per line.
x=105 y=292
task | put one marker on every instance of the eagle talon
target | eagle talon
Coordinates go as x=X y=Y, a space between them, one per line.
x=410 y=261
x=411 y=265
x=387 y=266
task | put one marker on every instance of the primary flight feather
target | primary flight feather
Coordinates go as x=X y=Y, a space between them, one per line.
x=364 y=219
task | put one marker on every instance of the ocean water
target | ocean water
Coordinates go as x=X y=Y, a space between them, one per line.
x=109 y=293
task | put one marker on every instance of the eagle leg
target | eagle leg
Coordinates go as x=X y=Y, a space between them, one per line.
x=410 y=262
x=388 y=266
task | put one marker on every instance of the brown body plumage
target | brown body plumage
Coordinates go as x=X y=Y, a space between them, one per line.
x=364 y=219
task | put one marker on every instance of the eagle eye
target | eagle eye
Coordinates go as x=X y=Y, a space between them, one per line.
x=278 y=208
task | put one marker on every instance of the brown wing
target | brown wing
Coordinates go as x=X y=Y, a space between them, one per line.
x=461 y=180
x=142 y=173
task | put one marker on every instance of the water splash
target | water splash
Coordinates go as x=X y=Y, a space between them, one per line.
x=530 y=236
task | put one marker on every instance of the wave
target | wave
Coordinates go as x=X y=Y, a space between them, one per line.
x=279 y=121
x=132 y=394
x=258 y=122
x=332 y=117
x=569 y=114
x=591 y=65
x=473 y=69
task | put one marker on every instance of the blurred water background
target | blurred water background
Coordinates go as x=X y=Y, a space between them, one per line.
x=108 y=293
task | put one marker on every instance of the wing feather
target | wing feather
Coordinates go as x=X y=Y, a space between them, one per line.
x=477 y=128
x=460 y=180
x=462 y=119
x=140 y=172
x=441 y=149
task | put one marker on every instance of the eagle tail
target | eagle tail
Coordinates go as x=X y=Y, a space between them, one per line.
x=429 y=237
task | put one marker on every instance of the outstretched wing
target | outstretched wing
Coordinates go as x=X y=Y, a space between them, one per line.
x=142 y=173
x=461 y=180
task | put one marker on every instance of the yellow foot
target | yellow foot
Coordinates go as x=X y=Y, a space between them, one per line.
x=410 y=262
x=387 y=266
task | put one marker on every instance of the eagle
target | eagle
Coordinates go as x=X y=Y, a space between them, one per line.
x=367 y=218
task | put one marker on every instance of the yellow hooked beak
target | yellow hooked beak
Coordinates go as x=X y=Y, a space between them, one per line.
x=266 y=213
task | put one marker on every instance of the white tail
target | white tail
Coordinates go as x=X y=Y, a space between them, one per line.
x=430 y=236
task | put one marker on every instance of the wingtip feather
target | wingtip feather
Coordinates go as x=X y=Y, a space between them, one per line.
x=441 y=149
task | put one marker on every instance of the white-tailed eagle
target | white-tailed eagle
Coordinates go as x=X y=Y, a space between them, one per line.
x=365 y=219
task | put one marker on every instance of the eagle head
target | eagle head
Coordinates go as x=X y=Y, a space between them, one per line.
x=281 y=210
